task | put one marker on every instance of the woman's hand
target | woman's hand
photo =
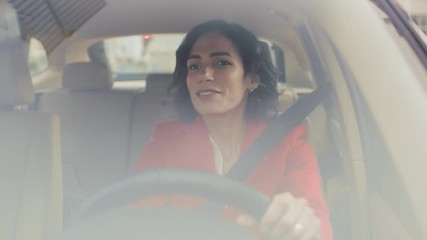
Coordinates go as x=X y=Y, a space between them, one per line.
x=286 y=218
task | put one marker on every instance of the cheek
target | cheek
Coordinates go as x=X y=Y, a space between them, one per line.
x=238 y=85
x=190 y=83
x=240 y=92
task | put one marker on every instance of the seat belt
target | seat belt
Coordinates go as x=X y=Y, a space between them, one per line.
x=269 y=138
x=276 y=131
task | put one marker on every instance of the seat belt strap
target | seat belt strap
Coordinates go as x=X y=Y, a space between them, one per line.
x=275 y=132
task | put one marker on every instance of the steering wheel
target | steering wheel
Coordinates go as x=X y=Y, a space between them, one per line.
x=107 y=215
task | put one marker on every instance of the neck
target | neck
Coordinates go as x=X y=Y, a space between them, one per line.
x=224 y=129
x=228 y=132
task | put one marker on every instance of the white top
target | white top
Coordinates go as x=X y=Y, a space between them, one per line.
x=219 y=162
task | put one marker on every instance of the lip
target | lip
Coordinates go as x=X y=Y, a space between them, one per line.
x=207 y=92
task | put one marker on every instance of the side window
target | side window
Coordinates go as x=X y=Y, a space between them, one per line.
x=9 y=25
x=37 y=57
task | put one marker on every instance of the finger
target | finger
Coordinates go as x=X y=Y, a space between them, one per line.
x=245 y=220
x=288 y=222
x=278 y=206
x=302 y=225
x=313 y=230
x=306 y=227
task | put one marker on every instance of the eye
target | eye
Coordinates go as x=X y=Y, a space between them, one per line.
x=223 y=63
x=193 y=66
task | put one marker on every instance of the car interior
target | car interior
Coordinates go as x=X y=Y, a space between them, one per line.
x=30 y=148
x=78 y=123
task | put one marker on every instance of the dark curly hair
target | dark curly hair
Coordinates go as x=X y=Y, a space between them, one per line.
x=256 y=60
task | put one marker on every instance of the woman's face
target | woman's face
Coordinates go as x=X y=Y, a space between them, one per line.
x=216 y=79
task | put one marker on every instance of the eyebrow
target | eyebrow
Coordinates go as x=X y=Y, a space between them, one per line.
x=214 y=54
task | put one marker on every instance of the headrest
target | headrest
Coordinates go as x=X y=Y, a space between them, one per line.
x=86 y=76
x=158 y=83
x=266 y=50
x=15 y=80
x=296 y=76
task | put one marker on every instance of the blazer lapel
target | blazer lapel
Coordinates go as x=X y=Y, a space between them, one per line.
x=196 y=148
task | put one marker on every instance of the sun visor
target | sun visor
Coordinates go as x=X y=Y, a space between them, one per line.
x=53 y=21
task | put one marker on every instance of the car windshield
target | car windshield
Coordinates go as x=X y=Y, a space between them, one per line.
x=86 y=87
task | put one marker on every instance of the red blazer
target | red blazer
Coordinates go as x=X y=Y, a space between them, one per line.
x=291 y=166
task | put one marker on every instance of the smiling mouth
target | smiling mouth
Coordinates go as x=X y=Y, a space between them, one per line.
x=207 y=92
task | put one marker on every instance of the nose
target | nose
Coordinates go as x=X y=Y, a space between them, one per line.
x=207 y=74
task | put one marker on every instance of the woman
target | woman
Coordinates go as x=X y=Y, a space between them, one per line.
x=224 y=89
